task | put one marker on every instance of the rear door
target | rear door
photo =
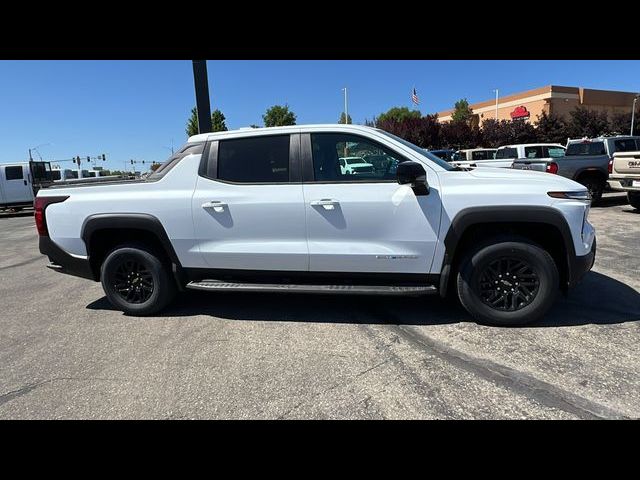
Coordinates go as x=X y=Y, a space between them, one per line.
x=15 y=180
x=248 y=207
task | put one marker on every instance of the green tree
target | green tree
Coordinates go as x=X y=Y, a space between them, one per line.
x=349 y=121
x=192 y=123
x=551 y=128
x=278 y=116
x=397 y=114
x=461 y=111
x=620 y=124
x=587 y=123
x=218 y=121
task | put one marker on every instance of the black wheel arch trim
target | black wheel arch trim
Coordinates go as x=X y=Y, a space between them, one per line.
x=133 y=221
x=471 y=216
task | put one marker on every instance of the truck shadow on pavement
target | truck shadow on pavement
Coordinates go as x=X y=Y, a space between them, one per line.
x=598 y=300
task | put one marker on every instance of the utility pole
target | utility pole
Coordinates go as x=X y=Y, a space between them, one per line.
x=633 y=113
x=203 y=106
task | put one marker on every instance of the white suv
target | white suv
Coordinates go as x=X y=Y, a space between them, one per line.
x=271 y=210
x=354 y=165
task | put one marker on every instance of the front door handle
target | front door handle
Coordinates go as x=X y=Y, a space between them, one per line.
x=326 y=203
x=217 y=206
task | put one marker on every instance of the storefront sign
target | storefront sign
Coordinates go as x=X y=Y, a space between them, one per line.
x=520 y=112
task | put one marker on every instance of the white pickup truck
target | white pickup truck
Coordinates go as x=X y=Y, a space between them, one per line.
x=271 y=210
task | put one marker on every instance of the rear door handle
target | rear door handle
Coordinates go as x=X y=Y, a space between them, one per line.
x=217 y=206
x=326 y=203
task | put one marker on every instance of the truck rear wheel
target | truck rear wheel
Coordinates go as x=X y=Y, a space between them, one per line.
x=136 y=281
x=595 y=185
x=508 y=283
x=634 y=199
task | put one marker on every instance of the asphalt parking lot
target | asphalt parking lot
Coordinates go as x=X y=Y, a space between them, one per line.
x=65 y=353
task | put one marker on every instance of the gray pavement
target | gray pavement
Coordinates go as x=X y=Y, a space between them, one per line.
x=65 y=353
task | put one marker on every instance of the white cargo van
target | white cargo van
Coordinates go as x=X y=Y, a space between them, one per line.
x=19 y=183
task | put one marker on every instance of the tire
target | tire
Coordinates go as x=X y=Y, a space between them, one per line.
x=595 y=186
x=136 y=281
x=634 y=199
x=482 y=266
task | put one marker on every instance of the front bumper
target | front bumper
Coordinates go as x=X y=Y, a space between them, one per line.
x=580 y=265
x=62 y=262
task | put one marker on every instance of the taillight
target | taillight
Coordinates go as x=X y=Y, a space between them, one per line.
x=610 y=167
x=40 y=204
x=552 y=167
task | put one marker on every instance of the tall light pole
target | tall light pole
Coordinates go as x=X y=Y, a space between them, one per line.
x=346 y=113
x=633 y=113
x=496 y=90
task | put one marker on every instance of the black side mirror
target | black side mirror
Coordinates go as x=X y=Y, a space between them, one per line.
x=414 y=174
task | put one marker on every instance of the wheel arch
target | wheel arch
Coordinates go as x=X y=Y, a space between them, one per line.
x=103 y=231
x=544 y=225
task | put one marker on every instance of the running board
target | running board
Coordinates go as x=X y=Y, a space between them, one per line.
x=217 y=285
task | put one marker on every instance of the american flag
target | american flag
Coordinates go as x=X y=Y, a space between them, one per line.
x=414 y=97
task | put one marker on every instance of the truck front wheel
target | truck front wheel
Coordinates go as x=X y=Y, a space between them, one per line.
x=508 y=283
x=136 y=281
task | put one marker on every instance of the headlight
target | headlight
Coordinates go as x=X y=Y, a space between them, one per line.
x=579 y=195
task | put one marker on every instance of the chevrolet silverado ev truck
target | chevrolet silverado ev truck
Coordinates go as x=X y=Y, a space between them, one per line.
x=271 y=210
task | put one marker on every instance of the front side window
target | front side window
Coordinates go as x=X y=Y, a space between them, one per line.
x=627 y=145
x=254 y=159
x=482 y=155
x=13 y=173
x=344 y=157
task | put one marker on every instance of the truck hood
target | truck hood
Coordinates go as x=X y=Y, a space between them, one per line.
x=529 y=176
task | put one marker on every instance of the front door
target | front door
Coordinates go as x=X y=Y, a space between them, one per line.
x=248 y=209
x=365 y=221
x=16 y=185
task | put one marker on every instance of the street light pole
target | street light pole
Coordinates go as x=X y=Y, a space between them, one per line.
x=346 y=113
x=496 y=90
x=633 y=113
x=203 y=106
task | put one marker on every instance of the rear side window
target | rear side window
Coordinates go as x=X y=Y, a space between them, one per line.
x=13 y=173
x=507 y=153
x=628 y=145
x=254 y=160
x=533 y=152
x=555 y=152
x=585 y=148
x=482 y=155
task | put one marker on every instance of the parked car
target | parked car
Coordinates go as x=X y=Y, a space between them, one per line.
x=19 y=183
x=446 y=155
x=586 y=161
x=624 y=175
x=354 y=166
x=474 y=154
x=270 y=210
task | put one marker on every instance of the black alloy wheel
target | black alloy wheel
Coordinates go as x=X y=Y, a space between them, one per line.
x=508 y=284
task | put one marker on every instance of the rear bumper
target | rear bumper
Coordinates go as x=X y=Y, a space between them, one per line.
x=62 y=262
x=579 y=266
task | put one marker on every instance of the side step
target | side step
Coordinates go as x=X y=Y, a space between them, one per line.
x=219 y=285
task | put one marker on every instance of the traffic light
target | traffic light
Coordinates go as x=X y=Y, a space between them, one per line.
x=104 y=158
x=132 y=161
x=88 y=159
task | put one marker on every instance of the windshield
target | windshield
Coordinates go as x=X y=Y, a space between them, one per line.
x=421 y=152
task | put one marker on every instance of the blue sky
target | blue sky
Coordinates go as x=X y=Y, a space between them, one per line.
x=133 y=109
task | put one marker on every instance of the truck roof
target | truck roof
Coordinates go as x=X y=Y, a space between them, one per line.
x=532 y=145
x=202 y=137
